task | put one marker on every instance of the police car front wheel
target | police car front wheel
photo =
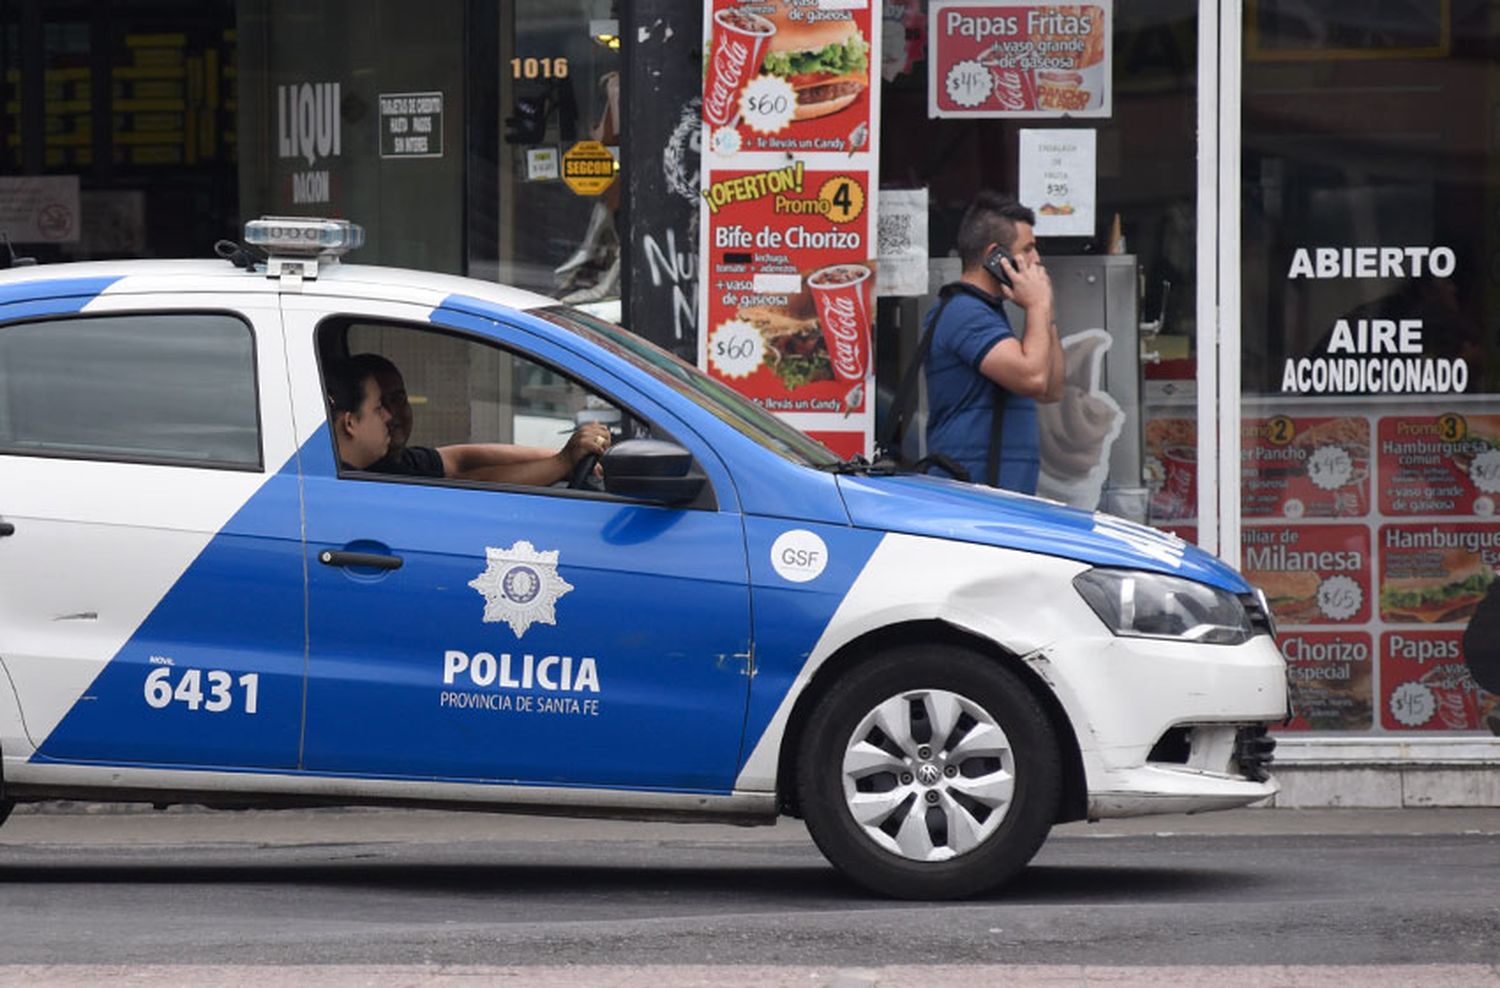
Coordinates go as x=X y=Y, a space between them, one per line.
x=929 y=773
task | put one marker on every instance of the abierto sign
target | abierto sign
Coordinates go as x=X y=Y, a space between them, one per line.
x=1027 y=58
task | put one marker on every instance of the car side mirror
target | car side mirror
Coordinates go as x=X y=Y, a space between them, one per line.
x=651 y=470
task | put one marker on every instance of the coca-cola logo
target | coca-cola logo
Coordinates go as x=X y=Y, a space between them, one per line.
x=729 y=62
x=841 y=317
x=1011 y=95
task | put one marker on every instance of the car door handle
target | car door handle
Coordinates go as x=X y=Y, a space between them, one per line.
x=6 y=528
x=374 y=560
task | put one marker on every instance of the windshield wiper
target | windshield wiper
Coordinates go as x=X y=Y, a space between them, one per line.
x=887 y=467
x=857 y=464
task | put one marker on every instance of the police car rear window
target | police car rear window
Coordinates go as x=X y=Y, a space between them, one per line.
x=173 y=388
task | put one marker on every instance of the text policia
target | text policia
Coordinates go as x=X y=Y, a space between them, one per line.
x=1374 y=355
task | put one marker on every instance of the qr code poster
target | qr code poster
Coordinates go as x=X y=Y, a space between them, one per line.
x=901 y=240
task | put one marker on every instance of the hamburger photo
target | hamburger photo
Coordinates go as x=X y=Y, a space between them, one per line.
x=1291 y=594
x=795 y=349
x=827 y=62
x=1437 y=597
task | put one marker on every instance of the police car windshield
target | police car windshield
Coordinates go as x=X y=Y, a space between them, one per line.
x=723 y=402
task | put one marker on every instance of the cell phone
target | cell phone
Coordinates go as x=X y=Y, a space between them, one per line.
x=993 y=266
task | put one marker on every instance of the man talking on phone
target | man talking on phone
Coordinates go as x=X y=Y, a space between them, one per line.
x=984 y=380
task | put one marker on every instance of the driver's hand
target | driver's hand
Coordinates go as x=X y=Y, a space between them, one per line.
x=589 y=439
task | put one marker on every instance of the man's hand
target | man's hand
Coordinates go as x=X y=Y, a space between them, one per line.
x=1030 y=365
x=589 y=439
x=1030 y=284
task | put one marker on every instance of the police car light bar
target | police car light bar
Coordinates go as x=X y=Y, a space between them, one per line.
x=304 y=236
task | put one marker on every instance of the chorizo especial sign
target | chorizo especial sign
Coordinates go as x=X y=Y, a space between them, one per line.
x=787 y=246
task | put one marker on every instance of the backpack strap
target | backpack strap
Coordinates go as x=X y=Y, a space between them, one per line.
x=906 y=393
x=997 y=435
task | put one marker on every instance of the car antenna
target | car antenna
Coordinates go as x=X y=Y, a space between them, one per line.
x=9 y=259
x=238 y=254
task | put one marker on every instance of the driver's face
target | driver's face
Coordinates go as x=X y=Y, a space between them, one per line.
x=393 y=397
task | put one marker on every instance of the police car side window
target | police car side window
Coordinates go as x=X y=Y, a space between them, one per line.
x=174 y=388
x=462 y=390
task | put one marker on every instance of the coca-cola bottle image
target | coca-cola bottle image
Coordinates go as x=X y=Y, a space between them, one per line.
x=739 y=45
x=840 y=293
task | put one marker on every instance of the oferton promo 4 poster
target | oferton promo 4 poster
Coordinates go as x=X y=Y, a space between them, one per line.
x=788 y=244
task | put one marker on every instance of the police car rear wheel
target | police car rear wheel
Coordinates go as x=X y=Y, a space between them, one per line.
x=929 y=773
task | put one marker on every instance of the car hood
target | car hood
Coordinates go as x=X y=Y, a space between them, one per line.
x=947 y=509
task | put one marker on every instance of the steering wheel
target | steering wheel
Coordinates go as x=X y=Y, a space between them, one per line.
x=578 y=480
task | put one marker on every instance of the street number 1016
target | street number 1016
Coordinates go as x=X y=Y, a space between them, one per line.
x=221 y=694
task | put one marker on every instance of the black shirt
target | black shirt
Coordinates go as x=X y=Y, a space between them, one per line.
x=410 y=461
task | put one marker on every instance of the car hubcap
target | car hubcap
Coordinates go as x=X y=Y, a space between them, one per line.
x=928 y=775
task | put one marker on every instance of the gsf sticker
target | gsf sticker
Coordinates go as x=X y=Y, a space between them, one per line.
x=799 y=555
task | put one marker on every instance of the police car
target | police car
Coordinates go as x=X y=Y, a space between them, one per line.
x=200 y=602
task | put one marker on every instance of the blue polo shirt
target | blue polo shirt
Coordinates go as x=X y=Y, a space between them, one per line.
x=961 y=400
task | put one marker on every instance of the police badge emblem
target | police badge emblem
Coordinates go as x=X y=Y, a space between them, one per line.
x=520 y=586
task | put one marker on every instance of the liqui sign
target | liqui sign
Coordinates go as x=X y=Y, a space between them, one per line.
x=308 y=127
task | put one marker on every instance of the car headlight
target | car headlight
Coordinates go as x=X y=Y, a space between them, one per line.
x=1152 y=605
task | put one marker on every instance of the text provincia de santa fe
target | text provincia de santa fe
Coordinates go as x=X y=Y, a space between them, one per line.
x=552 y=684
x=1374 y=356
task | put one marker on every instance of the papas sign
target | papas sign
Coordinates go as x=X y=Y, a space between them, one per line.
x=1024 y=58
x=588 y=168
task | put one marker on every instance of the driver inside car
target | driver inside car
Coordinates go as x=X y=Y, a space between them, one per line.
x=499 y=463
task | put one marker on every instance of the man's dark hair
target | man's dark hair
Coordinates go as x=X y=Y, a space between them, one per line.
x=990 y=219
x=346 y=380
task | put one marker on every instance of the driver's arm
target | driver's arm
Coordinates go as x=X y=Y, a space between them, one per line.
x=503 y=464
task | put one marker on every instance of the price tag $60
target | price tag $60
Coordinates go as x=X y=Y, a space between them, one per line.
x=736 y=349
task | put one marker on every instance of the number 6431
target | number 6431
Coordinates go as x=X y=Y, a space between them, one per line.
x=221 y=693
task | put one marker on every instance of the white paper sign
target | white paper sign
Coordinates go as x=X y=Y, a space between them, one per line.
x=901 y=241
x=40 y=209
x=542 y=164
x=411 y=125
x=1058 y=171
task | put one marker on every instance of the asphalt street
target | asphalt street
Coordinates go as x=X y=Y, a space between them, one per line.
x=1278 y=896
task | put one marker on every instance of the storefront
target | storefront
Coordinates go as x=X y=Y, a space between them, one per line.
x=1274 y=229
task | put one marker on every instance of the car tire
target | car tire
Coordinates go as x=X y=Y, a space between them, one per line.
x=929 y=772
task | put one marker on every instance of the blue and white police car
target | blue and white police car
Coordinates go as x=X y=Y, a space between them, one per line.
x=202 y=601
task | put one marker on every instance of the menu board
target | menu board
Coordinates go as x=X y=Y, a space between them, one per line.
x=1426 y=686
x=1379 y=554
x=1025 y=58
x=1444 y=464
x=1331 y=674
x=1305 y=467
x=1312 y=574
x=788 y=241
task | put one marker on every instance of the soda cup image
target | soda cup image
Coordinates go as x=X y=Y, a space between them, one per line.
x=839 y=295
x=1181 y=484
x=1014 y=89
x=1457 y=696
x=739 y=45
